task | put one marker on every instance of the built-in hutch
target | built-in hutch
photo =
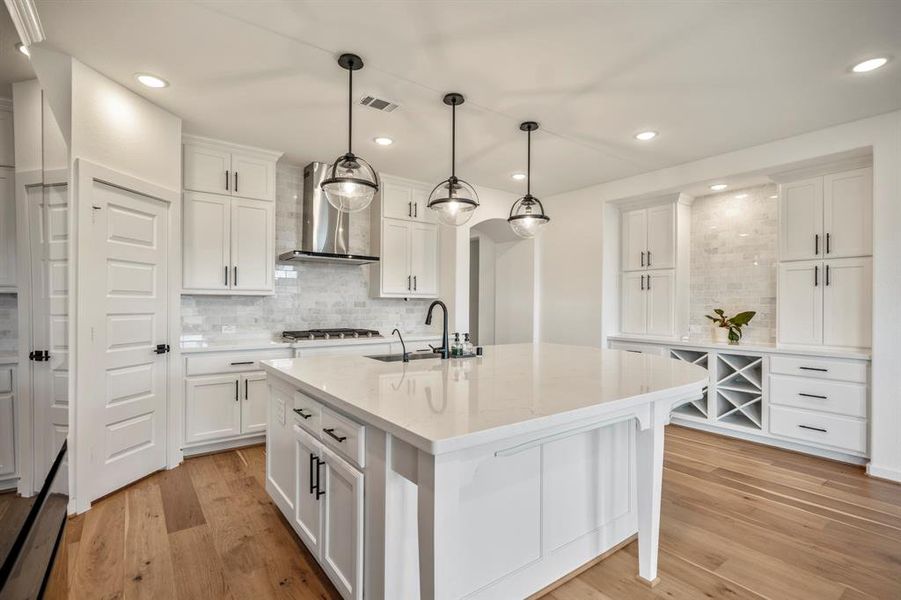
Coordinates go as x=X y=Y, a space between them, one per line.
x=228 y=218
x=405 y=235
x=809 y=391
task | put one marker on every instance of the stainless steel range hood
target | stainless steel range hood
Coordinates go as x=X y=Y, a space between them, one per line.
x=326 y=231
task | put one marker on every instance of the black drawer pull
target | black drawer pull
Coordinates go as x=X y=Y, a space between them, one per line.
x=242 y=362
x=812 y=396
x=331 y=432
x=313 y=467
x=814 y=369
x=319 y=490
x=300 y=412
x=820 y=429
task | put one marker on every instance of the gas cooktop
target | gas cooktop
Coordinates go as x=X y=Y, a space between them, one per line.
x=341 y=333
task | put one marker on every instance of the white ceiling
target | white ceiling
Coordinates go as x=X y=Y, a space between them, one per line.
x=710 y=76
x=14 y=65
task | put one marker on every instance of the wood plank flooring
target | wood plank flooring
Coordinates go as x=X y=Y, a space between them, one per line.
x=740 y=521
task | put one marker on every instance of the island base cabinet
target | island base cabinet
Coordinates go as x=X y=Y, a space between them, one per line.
x=280 y=468
x=328 y=512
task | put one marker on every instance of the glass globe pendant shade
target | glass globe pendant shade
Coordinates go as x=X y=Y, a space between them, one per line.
x=527 y=217
x=454 y=201
x=351 y=184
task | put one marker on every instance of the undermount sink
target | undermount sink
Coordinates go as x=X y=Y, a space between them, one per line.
x=400 y=357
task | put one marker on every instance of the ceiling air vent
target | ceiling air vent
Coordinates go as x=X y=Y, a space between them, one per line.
x=378 y=103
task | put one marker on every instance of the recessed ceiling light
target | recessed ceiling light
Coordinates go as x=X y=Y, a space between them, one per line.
x=774 y=196
x=518 y=176
x=23 y=49
x=740 y=196
x=869 y=65
x=383 y=141
x=644 y=136
x=718 y=187
x=151 y=81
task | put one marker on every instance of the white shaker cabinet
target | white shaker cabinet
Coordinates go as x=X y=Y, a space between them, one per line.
x=229 y=245
x=281 y=475
x=7 y=424
x=307 y=512
x=648 y=302
x=254 y=402
x=7 y=230
x=406 y=238
x=212 y=408
x=229 y=169
x=826 y=303
x=801 y=219
x=648 y=238
x=634 y=304
x=634 y=239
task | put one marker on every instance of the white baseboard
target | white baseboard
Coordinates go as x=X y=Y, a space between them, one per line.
x=769 y=441
x=221 y=445
x=884 y=472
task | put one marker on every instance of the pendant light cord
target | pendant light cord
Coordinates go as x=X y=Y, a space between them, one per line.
x=453 y=140
x=529 y=164
x=350 y=114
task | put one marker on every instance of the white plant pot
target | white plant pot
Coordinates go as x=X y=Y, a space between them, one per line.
x=720 y=335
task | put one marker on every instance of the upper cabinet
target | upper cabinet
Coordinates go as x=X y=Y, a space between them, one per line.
x=7 y=147
x=7 y=230
x=405 y=235
x=827 y=217
x=222 y=168
x=229 y=219
x=648 y=238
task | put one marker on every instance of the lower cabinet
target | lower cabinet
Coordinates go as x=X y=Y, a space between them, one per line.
x=224 y=406
x=648 y=302
x=7 y=424
x=328 y=512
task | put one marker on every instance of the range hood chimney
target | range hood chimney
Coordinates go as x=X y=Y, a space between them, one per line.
x=326 y=230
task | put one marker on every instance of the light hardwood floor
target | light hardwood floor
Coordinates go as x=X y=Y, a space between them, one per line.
x=740 y=521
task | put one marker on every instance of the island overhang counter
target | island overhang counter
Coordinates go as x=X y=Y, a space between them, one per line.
x=485 y=477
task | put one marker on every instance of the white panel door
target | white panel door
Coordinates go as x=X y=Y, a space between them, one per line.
x=634 y=304
x=635 y=239
x=206 y=231
x=207 y=169
x=342 y=525
x=395 y=260
x=308 y=504
x=424 y=259
x=661 y=237
x=659 y=289
x=255 y=394
x=131 y=246
x=252 y=245
x=848 y=213
x=800 y=310
x=847 y=302
x=7 y=433
x=212 y=408
x=48 y=215
x=801 y=220
x=397 y=199
x=253 y=177
x=7 y=229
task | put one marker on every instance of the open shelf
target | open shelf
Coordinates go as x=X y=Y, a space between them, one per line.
x=739 y=390
x=697 y=409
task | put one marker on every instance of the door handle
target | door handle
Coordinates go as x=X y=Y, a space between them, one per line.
x=649 y=279
x=236 y=390
x=226 y=181
x=414 y=283
x=828 y=281
x=642 y=258
x=236 y=181
x=319 y=490
x=235 y=278
x=416 y=209
x=409 y=285
x=409 y=209
x=226 y=276
x=816 y=244
x=330 y=431
x=642 y=282
x=161 y=349
x=828 y=245
x=816 y=275
x=649 y=258
x=246 y=386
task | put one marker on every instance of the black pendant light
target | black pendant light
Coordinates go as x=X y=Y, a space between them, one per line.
x=350 y=182
x=453 y=199
x=527 y=214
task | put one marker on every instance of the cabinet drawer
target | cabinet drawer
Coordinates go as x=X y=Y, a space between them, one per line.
x=345 y=436
x=6 y=380
x=818 y=428
x=817 y=394
x=231 y=362
x=308 y=413
x=821 y=368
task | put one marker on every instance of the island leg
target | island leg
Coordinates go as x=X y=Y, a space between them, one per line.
x=426 y=525
x=649 y=461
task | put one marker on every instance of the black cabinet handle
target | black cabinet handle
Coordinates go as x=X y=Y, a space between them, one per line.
x=820 y=429
x=226 y=181
x=226 y=276
x=642 y=258
x=236 y=181
x=649 y=258
x=235 y=278
x=828 y=246
x=242 y=362
x=814 y=369
x=812 y=396
x=414 y=283
x=331 y=433
x=816 y=244
x=409 y=284
x=246 y=386
x=416 y=209
x=319 y=490
x=236 y=390
x=828 y=281
x=649 y=276
x=642 y=282
x=816 y=275
x=409 y=209
x=313 y=458
x=300 y=412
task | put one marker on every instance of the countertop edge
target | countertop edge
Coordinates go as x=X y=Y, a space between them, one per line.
x=761 y=348
x=277 y=345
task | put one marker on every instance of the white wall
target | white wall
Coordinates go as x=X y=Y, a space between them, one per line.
x=487 y=285
x=515 y=292
x=572 y=248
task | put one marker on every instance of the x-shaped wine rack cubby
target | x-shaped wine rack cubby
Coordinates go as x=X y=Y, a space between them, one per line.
x=739 y=390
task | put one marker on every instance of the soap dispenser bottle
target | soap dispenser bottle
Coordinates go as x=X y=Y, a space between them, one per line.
x=467 y=345
x=456 y=347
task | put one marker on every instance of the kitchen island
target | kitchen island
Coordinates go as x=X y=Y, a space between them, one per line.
x=485 y=477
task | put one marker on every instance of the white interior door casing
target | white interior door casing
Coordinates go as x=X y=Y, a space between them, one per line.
x=801 y=220
x=252 y=244
x=635 y=239
x=848 y=213
x=212 y=407
x=254 y=403
x=207 y=169
x=206 y=231
x=424 y=259
x=800 y=311
x=130 y=242
x=661 y=237
x=847 y=302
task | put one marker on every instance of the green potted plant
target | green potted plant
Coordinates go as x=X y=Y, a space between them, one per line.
x=731 y=326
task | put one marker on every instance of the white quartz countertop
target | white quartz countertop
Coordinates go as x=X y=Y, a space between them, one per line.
x=237 y=343
x=750 y=347
x=445 y=405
